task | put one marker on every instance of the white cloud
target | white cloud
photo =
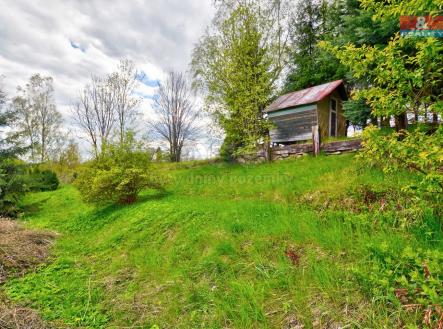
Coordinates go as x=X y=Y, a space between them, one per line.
x=71 y=40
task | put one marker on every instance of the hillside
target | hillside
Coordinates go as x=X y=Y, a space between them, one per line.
x=281 y=245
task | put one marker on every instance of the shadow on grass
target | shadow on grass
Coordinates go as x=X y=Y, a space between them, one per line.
x=105 y=214
x=152 y=196
x=33 y=208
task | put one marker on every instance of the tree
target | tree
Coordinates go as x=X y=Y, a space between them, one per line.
x=67 y=162
x=238 y=64
x=95 y=112
x=5 y=118
x=406 y=78
x=36 y=117
x=12 y=181
x=357 y=112
x=311 y=65
x=106 y=102
x=338 y=22
x=176 y=114
x=124 y=82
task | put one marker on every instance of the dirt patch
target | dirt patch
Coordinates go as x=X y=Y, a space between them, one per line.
x=14 y=317
x=20 y=250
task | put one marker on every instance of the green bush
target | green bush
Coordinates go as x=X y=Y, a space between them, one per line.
x=13 y=185
x=118 y=175
x=419 y=150
x=43 y=180
x=409 y=279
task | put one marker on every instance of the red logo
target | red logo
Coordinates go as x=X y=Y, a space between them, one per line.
x=422 y=25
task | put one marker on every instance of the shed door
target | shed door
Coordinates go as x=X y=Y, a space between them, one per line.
x=333 y=118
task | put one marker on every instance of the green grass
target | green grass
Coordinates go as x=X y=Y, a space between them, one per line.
x=210 y=252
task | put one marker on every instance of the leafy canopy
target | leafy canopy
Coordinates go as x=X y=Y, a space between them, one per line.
x=406 y=77
x=237 y=64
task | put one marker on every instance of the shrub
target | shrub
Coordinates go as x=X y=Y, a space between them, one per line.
x=410 y=279
x=45 y=180
x=118 y=175
x=119 y=183
x=12 y=186
x=419 y=150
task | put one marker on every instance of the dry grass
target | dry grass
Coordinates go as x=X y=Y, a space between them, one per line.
x=20 y=251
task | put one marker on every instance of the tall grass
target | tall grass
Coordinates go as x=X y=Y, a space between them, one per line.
x=212 y=251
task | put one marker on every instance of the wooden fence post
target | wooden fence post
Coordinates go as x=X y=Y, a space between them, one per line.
x=315 y=140
x=268 y=151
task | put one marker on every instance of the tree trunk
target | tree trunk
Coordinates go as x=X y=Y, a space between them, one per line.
x=401 y=122
x=384 y=123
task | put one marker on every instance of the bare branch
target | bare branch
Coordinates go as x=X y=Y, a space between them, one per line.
x=176 y=114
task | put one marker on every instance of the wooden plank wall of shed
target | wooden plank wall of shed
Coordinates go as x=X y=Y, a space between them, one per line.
x=294 y=126
x=323 y=116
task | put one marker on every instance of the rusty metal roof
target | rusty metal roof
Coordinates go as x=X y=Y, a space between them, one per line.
x=305 y=96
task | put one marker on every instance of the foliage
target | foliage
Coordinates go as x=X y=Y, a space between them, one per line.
x=338 y=23
x=12 y=180
x=13 y=185
x=355 y=24
x=405 y=77
x=410 y=278
x=120 y=173
x=357 y=112
x=37 y=120
x=416 y=150
x=42 y=180
x=237 y=64
x=311 y=65
x=66 y=163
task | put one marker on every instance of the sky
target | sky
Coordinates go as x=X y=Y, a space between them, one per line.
x=70 y=40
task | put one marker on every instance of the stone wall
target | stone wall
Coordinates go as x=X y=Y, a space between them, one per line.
x=299 y=150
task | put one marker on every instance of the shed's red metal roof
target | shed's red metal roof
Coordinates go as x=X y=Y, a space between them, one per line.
x=305 y=96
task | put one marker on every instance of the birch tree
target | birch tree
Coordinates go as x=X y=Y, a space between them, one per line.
x=37 y=118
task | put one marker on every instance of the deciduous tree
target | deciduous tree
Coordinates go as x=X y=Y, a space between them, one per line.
x=95 y=112
x=107 y=106
x=238 y=64
x=124 y=83
x=176 y=115
x=406 y=78
x=36 y=117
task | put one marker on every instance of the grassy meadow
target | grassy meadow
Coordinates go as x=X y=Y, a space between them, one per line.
x=280 y=245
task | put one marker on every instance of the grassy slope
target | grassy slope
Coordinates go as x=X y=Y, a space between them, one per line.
x=210 y=252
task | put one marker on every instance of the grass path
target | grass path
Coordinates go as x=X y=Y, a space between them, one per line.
x=225 y=247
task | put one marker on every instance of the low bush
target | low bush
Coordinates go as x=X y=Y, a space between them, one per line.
x=120 y=173
x=13 y=185
x=419 y=150
x=43 y=180
x=410 y=280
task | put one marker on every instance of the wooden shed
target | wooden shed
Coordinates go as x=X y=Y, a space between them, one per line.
x=294 y=114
